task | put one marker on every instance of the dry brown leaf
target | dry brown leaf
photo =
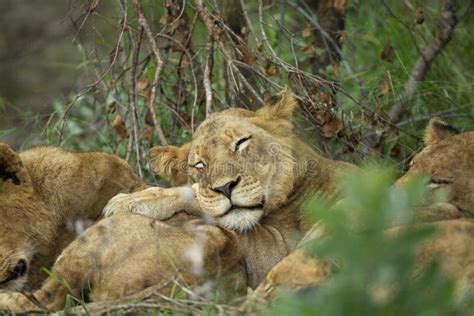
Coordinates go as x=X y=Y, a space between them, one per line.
x=247 y=56
x=332 y=127
x=112 y=108
x=385 y=86
x=250 y=99
x=308 y=49
x=267 y=96
x=392 y=135
x=343 y=37
x=419 y=16
x=388 y=53
x=337 y=68
x=325 y=98
x=296 y=82
x=119 y=127
x=322 y=117
x=270 y=68
x=380 y=115
x=149 y=119
x=142 y=84
x=146 y=134
x=268 y=3
x=94 y=5
x=340 y=6
x=308 y=30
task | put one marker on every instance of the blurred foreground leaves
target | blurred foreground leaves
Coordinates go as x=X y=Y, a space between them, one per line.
x=376 y=274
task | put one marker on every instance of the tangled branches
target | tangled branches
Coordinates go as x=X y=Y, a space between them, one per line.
x=178 y=61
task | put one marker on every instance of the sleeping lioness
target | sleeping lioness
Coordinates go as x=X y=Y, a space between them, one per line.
x=448 y=161
x=250 y=176
x=44 y=193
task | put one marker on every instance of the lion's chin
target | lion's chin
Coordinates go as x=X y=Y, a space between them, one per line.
x=240 y=220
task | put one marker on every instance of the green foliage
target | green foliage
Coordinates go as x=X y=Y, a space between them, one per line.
x=447 y=89
x=376 y=270
x=356 y=92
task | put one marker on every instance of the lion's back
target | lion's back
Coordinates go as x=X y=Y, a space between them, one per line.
x=75 y=183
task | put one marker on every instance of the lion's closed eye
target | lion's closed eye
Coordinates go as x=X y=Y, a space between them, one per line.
x=242 y=143
x=437 y=182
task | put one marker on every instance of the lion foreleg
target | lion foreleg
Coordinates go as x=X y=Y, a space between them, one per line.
x=157 y=203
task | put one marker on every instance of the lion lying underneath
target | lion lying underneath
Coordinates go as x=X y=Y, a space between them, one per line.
x=448 y=161
x=44 y=193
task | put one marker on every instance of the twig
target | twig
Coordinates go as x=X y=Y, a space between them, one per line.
x=193 y=74
x=441 y=114
x=265 y=37
x=88 y=88
x=209 y=50
x=407 y=96
x=135 y=307
x=286 y=66
x=191 y=60
x=249 y=22
x=230 y=61
x=133 y=100
x=329 y=40
x=159 y=68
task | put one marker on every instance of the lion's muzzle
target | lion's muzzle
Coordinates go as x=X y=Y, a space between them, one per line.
x=235 y=203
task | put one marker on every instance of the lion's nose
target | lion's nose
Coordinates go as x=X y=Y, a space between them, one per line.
x=20 y=268
x=227 y=188
x=18 y=271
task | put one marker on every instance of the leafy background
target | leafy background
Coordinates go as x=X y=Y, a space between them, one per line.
x=80 y=74
x=67 y=71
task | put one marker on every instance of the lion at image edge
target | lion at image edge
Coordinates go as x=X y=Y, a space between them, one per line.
x=447 y=160
x=46 y=195
x=250 y=174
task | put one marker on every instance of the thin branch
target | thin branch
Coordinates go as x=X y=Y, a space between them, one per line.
x=247 y=85
x=209 y=51
x=89 y=88
x=286 y=66
x=249 y=22
x=407 y=96
x=133 y=100
x=193 y=74
x=159 y=68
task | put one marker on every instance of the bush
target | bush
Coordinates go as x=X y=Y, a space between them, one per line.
x=376 y=276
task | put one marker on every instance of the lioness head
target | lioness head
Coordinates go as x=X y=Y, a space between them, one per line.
x=448 y=161
x=20 y=215
x=242 y=164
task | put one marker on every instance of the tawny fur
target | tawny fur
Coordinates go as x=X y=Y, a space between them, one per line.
x=448 y=162
x=44 y=193
x=274 y=172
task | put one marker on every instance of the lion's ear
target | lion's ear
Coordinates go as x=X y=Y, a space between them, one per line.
x=170 y=163
x=282 y=106
x=438 y=130
x=11 y=168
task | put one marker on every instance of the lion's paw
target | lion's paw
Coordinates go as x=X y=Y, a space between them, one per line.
x=16 y=302
x=119 y=203
x=157 y=203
